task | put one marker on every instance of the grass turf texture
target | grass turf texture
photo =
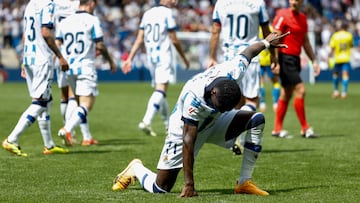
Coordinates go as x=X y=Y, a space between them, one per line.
x=291 y=170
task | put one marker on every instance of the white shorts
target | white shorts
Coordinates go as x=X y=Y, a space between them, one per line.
x=250 y=84
x=39 y=80
x=83 y=85
x=162 y=73
x=171 y=155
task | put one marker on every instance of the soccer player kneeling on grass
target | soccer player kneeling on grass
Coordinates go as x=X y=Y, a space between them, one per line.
x=204 y=113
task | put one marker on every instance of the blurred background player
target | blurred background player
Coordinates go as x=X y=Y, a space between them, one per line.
x=236 y=23
x=3 y=73
x=157 y=31
x=39 y=45
x=205 y=113
x=81 y=36
x=341 y=43
x=64 y=8
x=294 y=21
x=265 y=69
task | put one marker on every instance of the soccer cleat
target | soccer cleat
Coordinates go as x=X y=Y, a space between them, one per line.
x=336 y=94
x=237 y=149
x=13 y=148
x=147 y=129
x=126 y=177
x=248 y=187
x=66 y=136
x=281 y=134
x=89 y=142
x=309 y=133
x=343 y=95
x=55 y=150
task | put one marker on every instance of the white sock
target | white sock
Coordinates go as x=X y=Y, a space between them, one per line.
x=26 y=120
x=45 y=128
x=164 y=109
x=248 y=107
x=78 y=116
x=85 y=131
x=247 y=165
x=63 y=106
x=153 y=106
x=71 y=107
x=145 y=176
x=241 y=138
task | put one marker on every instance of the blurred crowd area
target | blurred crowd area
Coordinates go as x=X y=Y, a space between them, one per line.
x=120 y=20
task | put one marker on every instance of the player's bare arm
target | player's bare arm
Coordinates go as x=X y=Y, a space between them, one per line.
x=272 y=40
x=126 y=66
x=177 y=44
x=189 y=138
x=310 y=53
x=50 y=41
x=214 y=41
x=100 y=46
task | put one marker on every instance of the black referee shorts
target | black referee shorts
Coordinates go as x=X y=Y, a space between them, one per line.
x=290 y=68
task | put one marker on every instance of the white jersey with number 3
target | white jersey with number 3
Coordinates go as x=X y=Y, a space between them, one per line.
x=37 y=14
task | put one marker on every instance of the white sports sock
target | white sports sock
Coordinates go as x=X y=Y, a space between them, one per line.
x=153 y=106
x=45 y=129
x=71 y=107
x=85 y=131
x=63 y=106
x=26 y=120
x=145 y=176
x=248 y=107
x=247 y=165
x=76 y=118
x=164 y=109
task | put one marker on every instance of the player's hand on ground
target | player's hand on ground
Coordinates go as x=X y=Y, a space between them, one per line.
x=275 y=39
x=126 y=66
x=188 y=191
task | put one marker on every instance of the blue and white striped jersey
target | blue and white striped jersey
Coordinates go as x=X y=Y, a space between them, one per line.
x=38 y=13
x=79 y=33
x=156 y=22
x=240 y=21
x=191 y=105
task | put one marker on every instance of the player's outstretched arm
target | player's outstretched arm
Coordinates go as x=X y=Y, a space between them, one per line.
x=271 y=40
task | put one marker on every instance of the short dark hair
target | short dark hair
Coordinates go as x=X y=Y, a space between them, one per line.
x=83 y=2
x=229 y=93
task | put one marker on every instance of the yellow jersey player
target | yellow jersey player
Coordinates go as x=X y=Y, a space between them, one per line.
x=341 y=43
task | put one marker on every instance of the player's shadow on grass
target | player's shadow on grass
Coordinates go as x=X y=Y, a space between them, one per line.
x=212 y=192
x=274 y=192
x=286 y=150
x=322 y=136
x=121 y=142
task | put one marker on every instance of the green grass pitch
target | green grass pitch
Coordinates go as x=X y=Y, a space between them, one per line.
x=326 y=169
